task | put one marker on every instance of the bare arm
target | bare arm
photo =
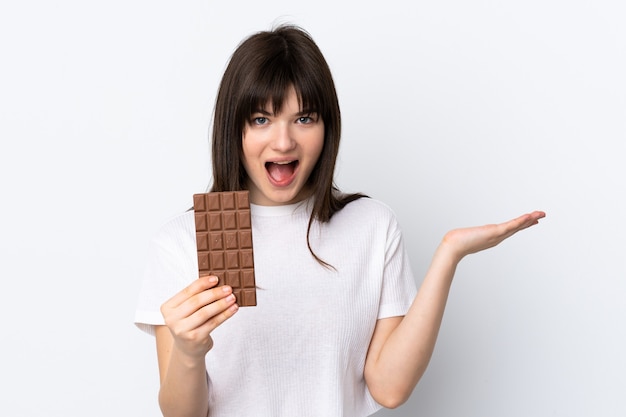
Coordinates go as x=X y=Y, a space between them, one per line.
x=401 y=347
x=190 y=317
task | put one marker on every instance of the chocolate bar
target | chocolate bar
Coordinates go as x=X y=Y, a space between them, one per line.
x=224 y=241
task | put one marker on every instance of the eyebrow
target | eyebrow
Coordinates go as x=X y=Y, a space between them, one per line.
x=261 y=111
x=300 y=113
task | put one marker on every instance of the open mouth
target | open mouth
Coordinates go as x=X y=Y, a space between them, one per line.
x=281 y=173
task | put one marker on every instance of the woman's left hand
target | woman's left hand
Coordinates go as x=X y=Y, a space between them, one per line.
x=470 y=240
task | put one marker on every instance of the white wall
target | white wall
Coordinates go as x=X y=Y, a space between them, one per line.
x=456 y=113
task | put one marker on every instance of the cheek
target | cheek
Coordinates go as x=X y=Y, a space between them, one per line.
x=252 y=145
x=316 y=150
x=246 y=155
x=247 y=148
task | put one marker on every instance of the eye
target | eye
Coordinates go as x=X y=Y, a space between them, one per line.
x=259 y=121
x=307 y=119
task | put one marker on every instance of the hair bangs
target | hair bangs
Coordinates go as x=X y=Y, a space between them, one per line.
x=272 y=86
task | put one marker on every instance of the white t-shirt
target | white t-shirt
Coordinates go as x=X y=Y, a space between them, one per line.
x=301 y=351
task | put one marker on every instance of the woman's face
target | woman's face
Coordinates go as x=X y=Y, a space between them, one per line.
x=280 y=151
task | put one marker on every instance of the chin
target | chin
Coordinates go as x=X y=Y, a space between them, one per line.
x=287 y=198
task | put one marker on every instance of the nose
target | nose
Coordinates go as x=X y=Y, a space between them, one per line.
x=283 y=140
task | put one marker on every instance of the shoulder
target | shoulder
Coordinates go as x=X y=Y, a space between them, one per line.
x=368 y=213
x=369 y=207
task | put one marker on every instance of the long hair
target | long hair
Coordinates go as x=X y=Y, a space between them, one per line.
x=261 y=70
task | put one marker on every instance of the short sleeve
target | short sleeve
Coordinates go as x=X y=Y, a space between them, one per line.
x=399 y=286
x=171 y=265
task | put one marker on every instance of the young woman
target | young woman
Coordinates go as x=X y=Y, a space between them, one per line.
x=339 y=328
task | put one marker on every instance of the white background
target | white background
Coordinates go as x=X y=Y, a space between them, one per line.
x=456 y=113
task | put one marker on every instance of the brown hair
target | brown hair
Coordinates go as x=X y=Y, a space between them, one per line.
x=261 y=70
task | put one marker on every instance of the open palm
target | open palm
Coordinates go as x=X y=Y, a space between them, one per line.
x=470 y=240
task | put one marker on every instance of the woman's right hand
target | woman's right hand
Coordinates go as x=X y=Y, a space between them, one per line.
x=193 y=313
x=182 y=344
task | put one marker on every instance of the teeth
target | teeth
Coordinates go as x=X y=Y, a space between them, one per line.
x=283 y=163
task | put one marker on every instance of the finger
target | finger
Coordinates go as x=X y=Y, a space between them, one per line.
x=191 y=316
x=522 y=222
x=197 y=286
x=499 y=232
x=209 y=317
x=535 y=215
x=201 y=300
x=219 y=312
